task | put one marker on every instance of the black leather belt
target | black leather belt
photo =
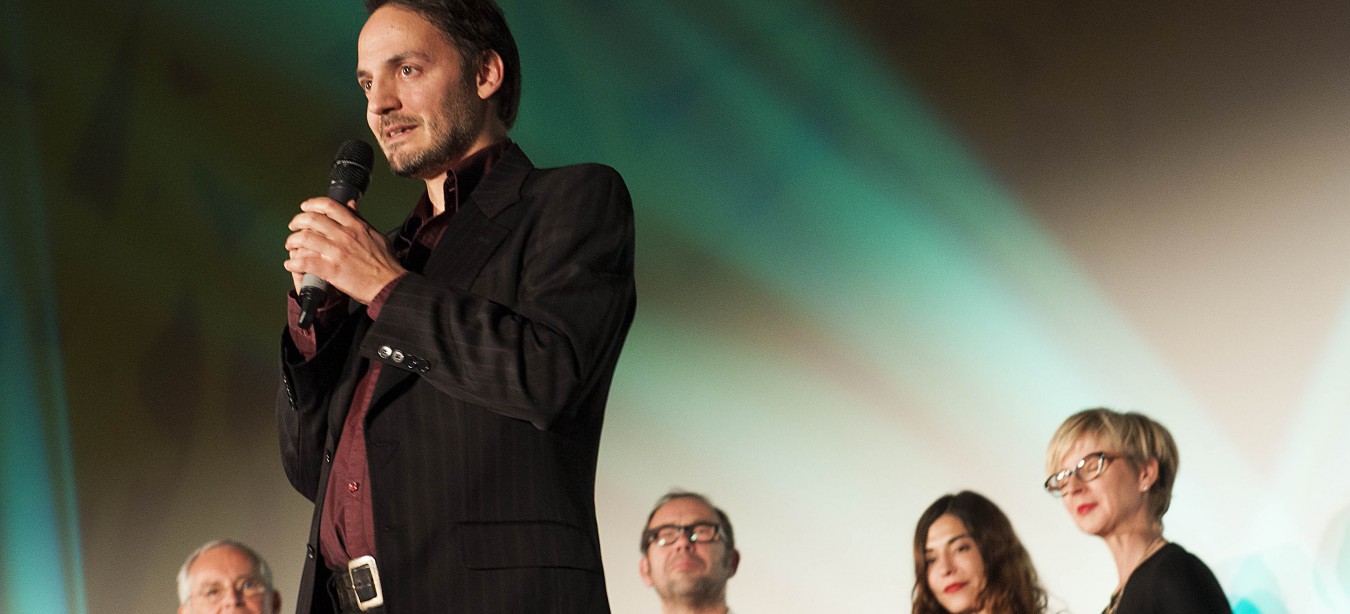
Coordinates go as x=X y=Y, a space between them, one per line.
x=358 y=588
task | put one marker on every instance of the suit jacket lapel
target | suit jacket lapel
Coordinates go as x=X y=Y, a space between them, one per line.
x=472 y=236
x=470 y=239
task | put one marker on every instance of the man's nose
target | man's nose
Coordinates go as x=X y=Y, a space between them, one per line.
x=683 y=542
x=234 y=600
x=381 y=98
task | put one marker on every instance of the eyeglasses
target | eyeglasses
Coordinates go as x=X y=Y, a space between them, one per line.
x=220 y=593
x=696 y=533
x=1089 y=468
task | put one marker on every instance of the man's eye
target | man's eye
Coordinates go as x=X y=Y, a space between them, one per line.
x=407 y=70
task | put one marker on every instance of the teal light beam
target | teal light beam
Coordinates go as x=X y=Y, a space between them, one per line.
x=39 y=527
x=809 y=169
x=773 y=144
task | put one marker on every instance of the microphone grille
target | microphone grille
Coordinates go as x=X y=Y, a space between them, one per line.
x=352 y=164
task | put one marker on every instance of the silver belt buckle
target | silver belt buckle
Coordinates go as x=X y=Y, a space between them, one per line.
x=364 y=577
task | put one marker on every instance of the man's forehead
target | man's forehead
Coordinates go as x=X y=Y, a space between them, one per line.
x=683 y=510
x=402 y=37
x=222 y=562
x=393 y=25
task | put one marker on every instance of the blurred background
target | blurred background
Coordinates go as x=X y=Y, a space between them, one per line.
x=885 y=247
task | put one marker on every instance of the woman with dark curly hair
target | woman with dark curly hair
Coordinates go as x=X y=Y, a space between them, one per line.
x=967 y=559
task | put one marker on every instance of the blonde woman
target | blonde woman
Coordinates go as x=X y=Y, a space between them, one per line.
x=1115 y=472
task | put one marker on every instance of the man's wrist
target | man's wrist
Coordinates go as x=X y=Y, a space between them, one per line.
x=376 y=304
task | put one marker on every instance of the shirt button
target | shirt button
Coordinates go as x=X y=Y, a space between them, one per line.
x=352 y=487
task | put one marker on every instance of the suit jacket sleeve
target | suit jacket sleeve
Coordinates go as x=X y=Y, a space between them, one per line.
x=307 y=387
x=533 y=351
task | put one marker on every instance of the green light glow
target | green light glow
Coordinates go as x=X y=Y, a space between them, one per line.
x=39 y=533
x=842 y=313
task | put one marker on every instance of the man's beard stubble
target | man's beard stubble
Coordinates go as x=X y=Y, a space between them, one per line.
x=701 y=590
x=452 y=131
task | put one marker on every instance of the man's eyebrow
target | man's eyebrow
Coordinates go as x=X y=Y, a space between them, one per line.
x=395 y=61
x=694 y=523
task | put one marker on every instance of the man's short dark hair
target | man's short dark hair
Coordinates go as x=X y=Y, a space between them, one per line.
x=722 y=517
x=474 y=27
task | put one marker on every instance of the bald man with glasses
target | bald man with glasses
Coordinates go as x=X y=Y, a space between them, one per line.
x=688 y=554
x=226 y=576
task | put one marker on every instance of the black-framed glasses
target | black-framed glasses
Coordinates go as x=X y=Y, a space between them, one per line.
x=220 y=593
x=696 y=533
x=1087 y=469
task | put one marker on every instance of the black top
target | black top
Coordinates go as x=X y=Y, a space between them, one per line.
x=1172 y=581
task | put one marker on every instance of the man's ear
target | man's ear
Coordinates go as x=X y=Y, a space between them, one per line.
x=645 y=570
x=491 y=73
x=733 y=561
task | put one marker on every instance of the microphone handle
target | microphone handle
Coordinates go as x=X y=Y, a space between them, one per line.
x=313 y=292
x=313 y=289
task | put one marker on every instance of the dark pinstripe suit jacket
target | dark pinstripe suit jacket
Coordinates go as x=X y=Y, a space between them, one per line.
x=484 y=427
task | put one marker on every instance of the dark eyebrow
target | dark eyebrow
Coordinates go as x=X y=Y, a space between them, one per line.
x=692 y=524
x=950 y=541
x=396 y=60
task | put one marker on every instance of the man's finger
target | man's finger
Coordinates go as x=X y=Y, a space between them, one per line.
x=342 y=214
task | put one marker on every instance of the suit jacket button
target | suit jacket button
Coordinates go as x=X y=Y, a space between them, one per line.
x=398 y=357
x=309 y=551
x=385 y=351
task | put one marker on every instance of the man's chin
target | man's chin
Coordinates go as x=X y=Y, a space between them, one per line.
x=423 y=164
x=689 y=578
x=700 y=588
x=409 y=169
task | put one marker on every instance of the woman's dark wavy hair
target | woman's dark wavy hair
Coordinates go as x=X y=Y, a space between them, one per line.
x=1011 y=585
x=473 y=27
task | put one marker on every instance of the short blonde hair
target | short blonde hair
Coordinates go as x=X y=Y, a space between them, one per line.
x=1140 y=438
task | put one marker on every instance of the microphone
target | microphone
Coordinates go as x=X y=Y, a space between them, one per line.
x=346 y=182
